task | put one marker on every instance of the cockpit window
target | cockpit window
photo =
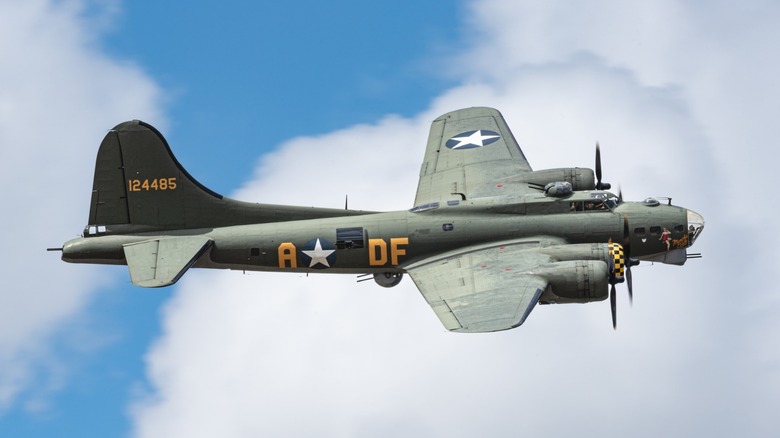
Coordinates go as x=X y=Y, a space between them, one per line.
x=612 y=202
x=595 y=206
x=599 y=201
x=588 y=206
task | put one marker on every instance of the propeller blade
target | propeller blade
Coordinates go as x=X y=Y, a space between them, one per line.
x=626 y=237
x=600 y=185
x=620 y=195
x=598 y=164
x=629 y=261
x=613 y=305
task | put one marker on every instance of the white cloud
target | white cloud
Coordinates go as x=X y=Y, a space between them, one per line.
x=334 y=162
x=58 y=94
x=284 y=355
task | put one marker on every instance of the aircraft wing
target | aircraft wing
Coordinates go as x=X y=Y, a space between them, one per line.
x=470 y=151
x=482 y=289
x=162 y=261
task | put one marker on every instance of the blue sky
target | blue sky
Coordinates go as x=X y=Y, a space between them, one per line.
x=252 y=75
x=255 y=99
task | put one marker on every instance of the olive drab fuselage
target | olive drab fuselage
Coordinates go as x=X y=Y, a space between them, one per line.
x=378 y=242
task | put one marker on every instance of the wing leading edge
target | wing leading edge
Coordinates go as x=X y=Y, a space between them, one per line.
x=469 y=152
x=482 y=289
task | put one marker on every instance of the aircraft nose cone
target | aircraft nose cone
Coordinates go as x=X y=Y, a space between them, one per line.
x=695 y=226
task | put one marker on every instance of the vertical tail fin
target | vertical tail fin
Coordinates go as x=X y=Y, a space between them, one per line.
x=139 y=182
x=139 y=186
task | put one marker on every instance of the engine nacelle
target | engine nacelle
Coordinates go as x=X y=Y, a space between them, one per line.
x=388 y=279
x=575 y=281
x=580 y=179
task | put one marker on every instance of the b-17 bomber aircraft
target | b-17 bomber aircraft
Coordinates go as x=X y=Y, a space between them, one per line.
x=486 y=239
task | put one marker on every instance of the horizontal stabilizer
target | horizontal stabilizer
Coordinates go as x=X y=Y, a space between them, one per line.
x=161 y=262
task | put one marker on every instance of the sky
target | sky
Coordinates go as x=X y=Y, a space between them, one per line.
x=260 y=101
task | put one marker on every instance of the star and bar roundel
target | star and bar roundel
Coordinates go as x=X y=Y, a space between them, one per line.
x=318 y=254
x=472 y=139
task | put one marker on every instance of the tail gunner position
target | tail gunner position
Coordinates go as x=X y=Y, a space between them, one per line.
x=486 y=240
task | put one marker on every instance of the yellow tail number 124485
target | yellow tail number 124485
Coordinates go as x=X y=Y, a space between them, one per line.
x=137 y=185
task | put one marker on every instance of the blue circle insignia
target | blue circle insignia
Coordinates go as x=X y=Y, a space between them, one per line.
x=318 y=254
x=472 y=139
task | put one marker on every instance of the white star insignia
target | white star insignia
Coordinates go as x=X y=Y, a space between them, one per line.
x=476 y=139
x=319 y=255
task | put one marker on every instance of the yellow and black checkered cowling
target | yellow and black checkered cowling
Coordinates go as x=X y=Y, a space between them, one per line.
x=618 y=260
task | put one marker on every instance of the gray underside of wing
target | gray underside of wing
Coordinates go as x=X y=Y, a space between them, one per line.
x=483 y=289
x=474 y=166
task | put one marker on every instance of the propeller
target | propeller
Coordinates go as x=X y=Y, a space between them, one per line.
x=629 y=261
x=615 y=276
x=622 y=263
x=626 y=244
x=613 y=305
x=600 y=185
x=627 y=249
x=628 y=281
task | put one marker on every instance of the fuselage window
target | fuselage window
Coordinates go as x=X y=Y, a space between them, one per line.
x=349 y=238
x=95 y=230
x=424 y=207
x=655 y=230
x=639 y=231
